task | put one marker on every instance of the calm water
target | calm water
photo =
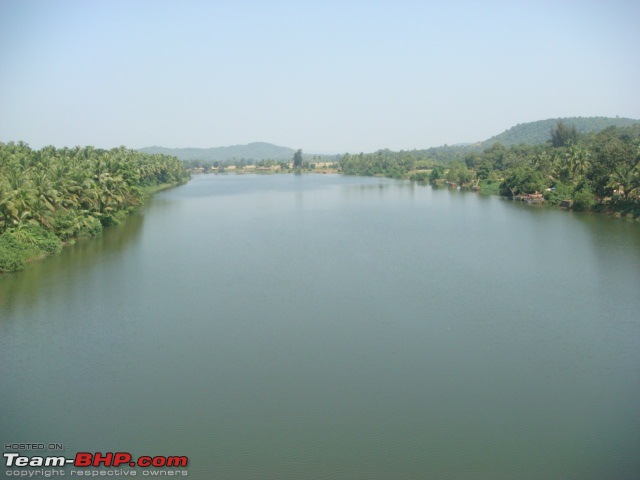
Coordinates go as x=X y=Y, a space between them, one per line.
x=312 y=327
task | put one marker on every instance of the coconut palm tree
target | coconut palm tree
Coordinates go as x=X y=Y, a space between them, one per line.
x=621 y=181
x=43 y=188
x=579 y=160
x=8 y=212
x=634 y=188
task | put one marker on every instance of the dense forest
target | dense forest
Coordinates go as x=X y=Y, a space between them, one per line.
x=50 y=196
x=591 y=171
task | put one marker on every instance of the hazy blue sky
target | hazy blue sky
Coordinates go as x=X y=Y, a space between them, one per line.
x=323 y=76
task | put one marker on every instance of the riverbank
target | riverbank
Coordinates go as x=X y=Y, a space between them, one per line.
x=614 y=207
x=31 y=242
x=590 y=172
x=549 y=198
x=151 y=191
x=50 y=197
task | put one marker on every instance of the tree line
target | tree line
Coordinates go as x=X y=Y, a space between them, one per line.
x=386 y=163
x=50 y=196
x=593 y=171
x=299 y=161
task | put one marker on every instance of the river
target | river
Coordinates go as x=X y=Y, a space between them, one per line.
x=322 y=326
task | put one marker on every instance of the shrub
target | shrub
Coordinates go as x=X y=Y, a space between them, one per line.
x=40 y=238
x=561 y=192
x=91 y=228
x=12 y=253
x=29 y=242
x=66 y=224
x=490 y=187
x=113 y=218
x=437 y=173
x=583 y=200
x=420 y=176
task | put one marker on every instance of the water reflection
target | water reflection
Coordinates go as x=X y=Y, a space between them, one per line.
x=54 y=276
x=336 y=327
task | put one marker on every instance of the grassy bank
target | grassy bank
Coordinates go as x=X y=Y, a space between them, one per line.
x=26 y=244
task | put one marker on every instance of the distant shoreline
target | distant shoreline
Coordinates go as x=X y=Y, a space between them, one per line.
x=601 y=208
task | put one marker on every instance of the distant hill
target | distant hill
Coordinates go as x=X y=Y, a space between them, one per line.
x=533 y=133
x=530 y=133
x=252 y=151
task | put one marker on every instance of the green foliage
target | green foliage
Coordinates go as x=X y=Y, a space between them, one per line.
x=13 y=253
x=91 y=228
x=615 y=152
x=297 y=159
x=562 y=136
x=522 y=180
x=69 y=223
x=599 y=169
x=423 y=164
x=387 y=163
x=459 y=173
x=437 y=173
x=584 y=200
x=29 y=241
x=52 y=195
x=422 y=176
x=490 y=186
x=496 y=157
x=381 y=163
x=535 y=133
x=559 y=193
x=36 y=236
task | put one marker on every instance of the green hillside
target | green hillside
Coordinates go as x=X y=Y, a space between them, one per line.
x=252 y=151
x=533 y=133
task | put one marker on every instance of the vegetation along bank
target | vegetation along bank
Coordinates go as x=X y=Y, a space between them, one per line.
x=587 y=164
x=597 y=171
x=51 y=196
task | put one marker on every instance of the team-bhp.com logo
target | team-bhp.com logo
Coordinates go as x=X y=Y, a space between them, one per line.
x=108 y=463
x=97 y=459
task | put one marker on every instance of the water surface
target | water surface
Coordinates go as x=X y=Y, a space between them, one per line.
x=335 y=327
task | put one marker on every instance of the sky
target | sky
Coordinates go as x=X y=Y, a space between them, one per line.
x=325 y=76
